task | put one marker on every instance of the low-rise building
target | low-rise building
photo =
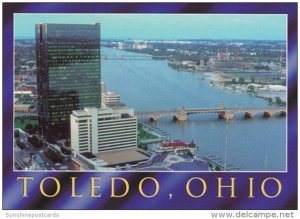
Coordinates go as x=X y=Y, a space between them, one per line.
x=110 y=99
x=177 y=146
x=25 y=108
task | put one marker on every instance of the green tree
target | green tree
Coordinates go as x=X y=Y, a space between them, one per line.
x=67 y=143
x=66 y=151
x=35 y=141
x=29 y=128
x=20 y=144
x=17 y=134
x=241 y=80
x=189 y=153
x=218 y=168
x=251 y=89
x=269 y=99
x=36 y=128
x=53 y=155
x=278 y=101
x=143 y=146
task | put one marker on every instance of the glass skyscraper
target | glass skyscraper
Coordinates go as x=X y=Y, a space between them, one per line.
x=68 y=75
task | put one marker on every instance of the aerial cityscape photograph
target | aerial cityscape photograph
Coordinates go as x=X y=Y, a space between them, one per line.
x=150 y=92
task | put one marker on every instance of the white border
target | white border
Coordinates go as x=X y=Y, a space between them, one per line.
x=145 y=213
x=173 y=14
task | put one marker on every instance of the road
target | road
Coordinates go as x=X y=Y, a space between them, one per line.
x=20 y=156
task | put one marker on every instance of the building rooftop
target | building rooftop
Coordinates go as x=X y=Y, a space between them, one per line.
x=22 y=105
x=104 y=111
x=174 y=144
x=111 y=93
x=88 y=110
x=122 y=157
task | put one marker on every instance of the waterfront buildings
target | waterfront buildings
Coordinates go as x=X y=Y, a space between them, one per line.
x=103 y=138
x=139 y=45
x=97 y=130
x=68 y=73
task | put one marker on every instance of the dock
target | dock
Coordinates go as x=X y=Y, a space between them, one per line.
x=215 y=161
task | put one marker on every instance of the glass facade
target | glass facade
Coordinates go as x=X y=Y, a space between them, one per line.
x=68 y=61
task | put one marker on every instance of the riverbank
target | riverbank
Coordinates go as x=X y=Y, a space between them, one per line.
x=214 y=76
x=153 y=85
x=269 y=92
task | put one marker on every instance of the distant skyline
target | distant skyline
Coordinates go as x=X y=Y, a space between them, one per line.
x=165 y=26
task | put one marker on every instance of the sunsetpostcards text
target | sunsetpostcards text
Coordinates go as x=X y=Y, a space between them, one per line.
x=161 y=106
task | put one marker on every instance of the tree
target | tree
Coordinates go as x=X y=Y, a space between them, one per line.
x=36 y=128
x=20 y=144
x=189 y=153
x=29 y=128
x=251 y=89
x=241 y=80
x=17 y=134
x=269 y=99
x=278 y=101
x=53 y=155
x=143 y=146
x=35 y=141
x=67 y=143
x=218 y=168
x=66 y=151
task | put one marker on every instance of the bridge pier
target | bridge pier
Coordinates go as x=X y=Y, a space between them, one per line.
x=154 y=118
x=180 y=117
x=221 y=115
x=268 y=114
x=248 y=115
x=226 y=115
x=175 y=118
x=222 y=112
x=282 y=113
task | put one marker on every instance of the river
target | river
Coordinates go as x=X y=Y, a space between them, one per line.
x=257 y=144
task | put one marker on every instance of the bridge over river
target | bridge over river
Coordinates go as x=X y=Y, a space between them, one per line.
x=222 y=112
x=132 y=57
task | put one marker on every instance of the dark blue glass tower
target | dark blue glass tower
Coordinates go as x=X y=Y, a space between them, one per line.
x=68 y=75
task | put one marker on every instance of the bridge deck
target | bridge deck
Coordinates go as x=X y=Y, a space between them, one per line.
x=216 y=110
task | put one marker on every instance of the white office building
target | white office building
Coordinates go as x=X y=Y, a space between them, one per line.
x=97 y=130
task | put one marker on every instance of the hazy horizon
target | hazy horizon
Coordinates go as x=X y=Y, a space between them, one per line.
x=166 y=26
x=121 y=39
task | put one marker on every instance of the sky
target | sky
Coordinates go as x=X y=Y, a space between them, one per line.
x=163 y=26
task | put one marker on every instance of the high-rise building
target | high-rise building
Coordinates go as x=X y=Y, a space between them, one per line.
x=98 y=130
x=68 y=76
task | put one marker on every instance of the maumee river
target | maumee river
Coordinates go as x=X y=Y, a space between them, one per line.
x=257 y=144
